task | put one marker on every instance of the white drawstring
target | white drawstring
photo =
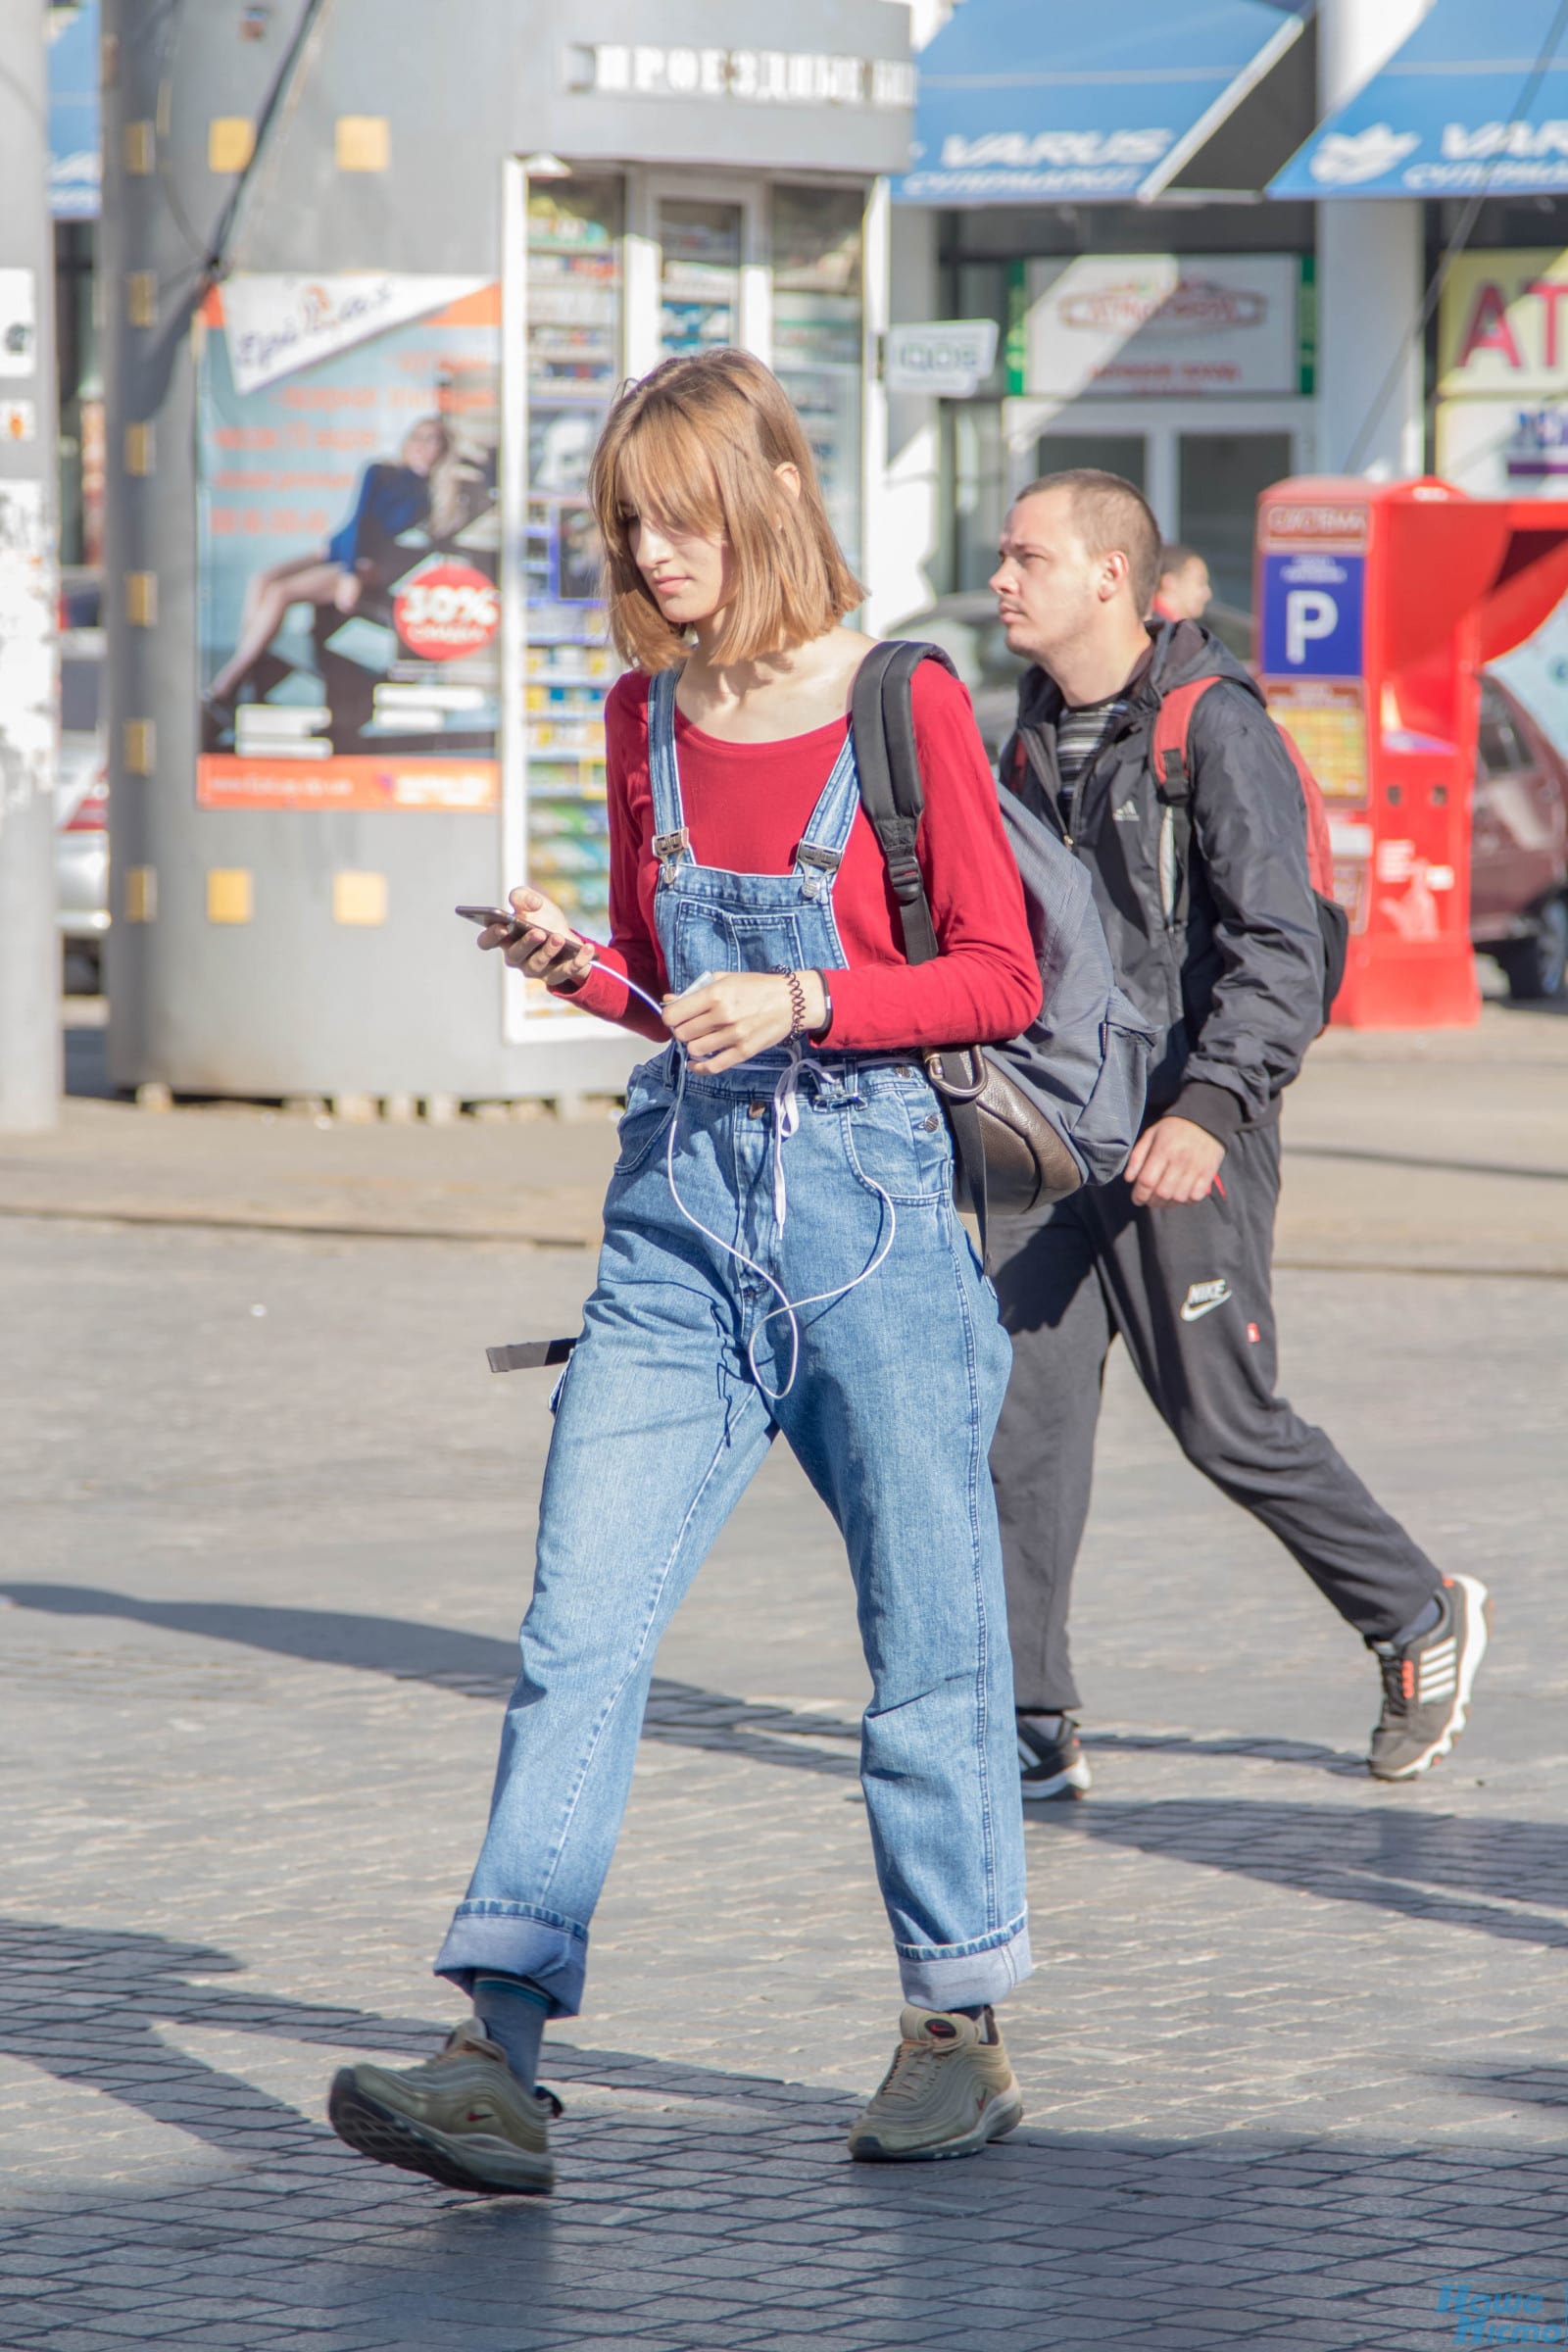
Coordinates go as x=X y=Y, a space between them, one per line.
x=786 y=1119
x=785 y=1122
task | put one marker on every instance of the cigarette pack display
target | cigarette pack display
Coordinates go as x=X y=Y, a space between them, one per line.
x=573 y=365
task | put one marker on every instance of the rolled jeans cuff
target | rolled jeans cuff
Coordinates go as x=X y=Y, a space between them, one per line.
x=549 y=1950
x=967 y=1975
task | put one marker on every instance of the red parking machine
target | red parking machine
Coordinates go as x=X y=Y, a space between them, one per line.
x=1380 y=605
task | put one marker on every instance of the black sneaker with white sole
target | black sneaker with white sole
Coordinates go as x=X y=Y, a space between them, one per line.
x=1426 y=1683
x=1050 y=1759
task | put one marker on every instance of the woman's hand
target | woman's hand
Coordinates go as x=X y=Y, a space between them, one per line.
x=542 y=943
x=350 y=588
x=725 y=1021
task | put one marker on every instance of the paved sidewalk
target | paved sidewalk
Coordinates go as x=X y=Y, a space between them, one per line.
x=1293 y=2054
x=1433 y=1149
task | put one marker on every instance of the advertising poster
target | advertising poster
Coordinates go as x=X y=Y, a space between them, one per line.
x=348 y=431
x=1152 y=325
x=1502 y=421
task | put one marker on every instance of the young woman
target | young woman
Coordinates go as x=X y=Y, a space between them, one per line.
x=781 y=1253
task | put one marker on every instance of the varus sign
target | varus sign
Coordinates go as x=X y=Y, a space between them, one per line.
x=743 y=77
x=1494 y=156
x=1047 y=162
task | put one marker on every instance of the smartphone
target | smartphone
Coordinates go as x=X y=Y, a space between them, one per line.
x=485 y=916
x=510 y=921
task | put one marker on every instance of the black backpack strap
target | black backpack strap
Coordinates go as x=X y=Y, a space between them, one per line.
x=887 y=762
x=882 y=722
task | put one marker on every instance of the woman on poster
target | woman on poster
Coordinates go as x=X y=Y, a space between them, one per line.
x=422 y=488
x=781 y=1253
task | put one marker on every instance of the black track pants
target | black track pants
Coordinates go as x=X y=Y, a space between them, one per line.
x=1189 y=1291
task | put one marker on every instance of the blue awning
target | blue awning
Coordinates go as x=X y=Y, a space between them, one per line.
x=1463 y=107
x=1056 y=102
x=74 y=169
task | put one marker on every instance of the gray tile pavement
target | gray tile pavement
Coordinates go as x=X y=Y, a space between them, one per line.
x=1292 y=2057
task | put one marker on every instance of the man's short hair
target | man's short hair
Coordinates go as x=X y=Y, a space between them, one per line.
x=1174 y=556
x=1110 y=516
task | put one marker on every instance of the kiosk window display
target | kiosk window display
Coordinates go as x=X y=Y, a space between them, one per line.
x=574 y=363
x=700 y=249
x=817 y=237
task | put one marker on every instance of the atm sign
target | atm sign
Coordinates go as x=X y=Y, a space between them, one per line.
x=1313 y=615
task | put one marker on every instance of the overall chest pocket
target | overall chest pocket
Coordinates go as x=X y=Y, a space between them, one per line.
x=714 y=939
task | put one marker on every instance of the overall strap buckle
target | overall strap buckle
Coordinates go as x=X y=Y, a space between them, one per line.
x=824 y=864
x=669 y=848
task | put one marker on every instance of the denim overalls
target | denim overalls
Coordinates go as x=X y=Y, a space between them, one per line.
x=660 y=1425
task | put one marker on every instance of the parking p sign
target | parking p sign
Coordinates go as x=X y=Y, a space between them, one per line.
x=1313 y=615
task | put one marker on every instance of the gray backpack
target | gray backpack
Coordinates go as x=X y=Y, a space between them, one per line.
x=1059 y=1106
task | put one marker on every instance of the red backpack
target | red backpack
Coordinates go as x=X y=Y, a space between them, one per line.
x=1174 y=784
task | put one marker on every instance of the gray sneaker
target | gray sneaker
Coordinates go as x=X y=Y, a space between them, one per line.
x=948 y=2092
x=462 y=2117
x=1426 y=1683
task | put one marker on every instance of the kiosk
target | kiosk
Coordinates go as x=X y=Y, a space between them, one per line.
x=1379 y=604
x=372 y=275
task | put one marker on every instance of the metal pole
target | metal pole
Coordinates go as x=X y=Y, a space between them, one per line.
x=30 y=949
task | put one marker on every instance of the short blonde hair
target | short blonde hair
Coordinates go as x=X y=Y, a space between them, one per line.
x=696 y=445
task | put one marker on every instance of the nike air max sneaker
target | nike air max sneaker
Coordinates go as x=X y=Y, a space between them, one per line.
x=948 y=2092
x=1426 y=1683
x=1051 y=1757
x=463 y=2116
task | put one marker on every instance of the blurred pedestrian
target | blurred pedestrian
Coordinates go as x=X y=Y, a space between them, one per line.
x=1219 y=945
x=1184 y=590
x=781 y=1253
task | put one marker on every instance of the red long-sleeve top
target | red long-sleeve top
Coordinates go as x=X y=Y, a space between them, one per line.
x=747 y=805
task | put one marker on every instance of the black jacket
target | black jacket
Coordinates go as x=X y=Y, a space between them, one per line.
x=1233 y=981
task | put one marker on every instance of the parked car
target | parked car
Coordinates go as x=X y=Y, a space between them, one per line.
x=1519 y=846
x=81 y=799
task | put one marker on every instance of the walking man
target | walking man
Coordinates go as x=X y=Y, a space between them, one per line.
x=1207 y=905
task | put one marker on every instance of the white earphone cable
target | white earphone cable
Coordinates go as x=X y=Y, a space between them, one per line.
x=786 y=1119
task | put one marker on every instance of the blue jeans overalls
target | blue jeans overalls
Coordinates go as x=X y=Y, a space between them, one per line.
x=678 y=1388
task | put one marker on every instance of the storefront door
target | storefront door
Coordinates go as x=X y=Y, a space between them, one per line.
x=1200 y=467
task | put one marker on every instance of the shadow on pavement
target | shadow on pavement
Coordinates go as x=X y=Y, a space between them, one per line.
x=1342 y=1762
x=1483 y=1874
x=474 y=1665
x=84 y=2005
x=694 y=2207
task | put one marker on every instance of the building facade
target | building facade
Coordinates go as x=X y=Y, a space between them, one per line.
x=1218 y=258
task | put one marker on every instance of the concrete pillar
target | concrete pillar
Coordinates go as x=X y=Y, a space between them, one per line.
x=1369 y=272
x=905 y=531
x=907 y=494
x=29 y=947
